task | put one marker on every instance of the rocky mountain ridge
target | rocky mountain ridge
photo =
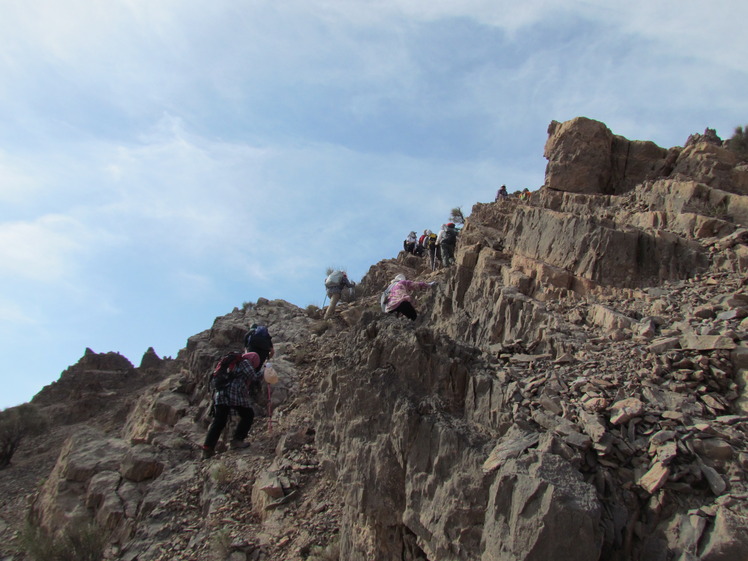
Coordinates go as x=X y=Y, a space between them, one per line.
x=574 y=388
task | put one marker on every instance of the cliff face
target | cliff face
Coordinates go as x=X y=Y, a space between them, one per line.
x=574 y=388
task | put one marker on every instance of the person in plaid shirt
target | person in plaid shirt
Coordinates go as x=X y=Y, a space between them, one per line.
x=234 y=396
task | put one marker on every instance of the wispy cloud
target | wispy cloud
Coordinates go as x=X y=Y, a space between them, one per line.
x=45 y=249
x=161 y=162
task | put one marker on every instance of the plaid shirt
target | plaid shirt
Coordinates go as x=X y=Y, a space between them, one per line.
x=236 y=394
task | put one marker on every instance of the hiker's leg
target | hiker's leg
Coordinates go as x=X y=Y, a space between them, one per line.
x=407 y=309
x=331 y=306
x=219 y=422
x=246 y=416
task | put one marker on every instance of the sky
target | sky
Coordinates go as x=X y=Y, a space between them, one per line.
x=164 y=161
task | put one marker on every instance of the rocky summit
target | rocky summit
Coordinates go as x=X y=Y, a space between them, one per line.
x=574 y=388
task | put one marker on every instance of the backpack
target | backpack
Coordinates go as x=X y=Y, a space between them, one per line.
x=385 y=296
x=430 y=241
x=450 y=236
x=258 y=339
x=224 y=372
x=334 y=279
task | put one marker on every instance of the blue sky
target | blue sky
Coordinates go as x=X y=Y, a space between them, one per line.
x=162 y=161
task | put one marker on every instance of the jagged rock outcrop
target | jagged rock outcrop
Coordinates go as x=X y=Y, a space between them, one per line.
x=585 y=157
x=88 y=388
x=150 y=360
x=574 y=388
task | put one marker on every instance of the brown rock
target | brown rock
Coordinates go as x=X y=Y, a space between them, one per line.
x=141 y=463
x=713 y=448
x=655 y=478
x=625 y=410
x=706 y=342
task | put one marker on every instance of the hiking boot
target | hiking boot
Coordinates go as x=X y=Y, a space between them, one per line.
x=238 y=444
x=208 y=452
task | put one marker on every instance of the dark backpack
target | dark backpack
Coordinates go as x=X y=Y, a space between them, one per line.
x=225 y=371
x=450 y=236
x=258 y=339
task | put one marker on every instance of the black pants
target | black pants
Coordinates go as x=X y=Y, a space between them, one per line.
x=448 y=254
x=406 y=309
x=246 y=416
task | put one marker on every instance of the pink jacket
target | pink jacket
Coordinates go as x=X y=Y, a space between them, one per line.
x=401 y=292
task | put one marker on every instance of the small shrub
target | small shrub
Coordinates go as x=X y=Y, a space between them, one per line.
x=220 y=473
x=456 y=216
x=739 y=141
x=717 y=210
x=79 y=541
x=16 y=423
x=330 y=552
x=221 y=543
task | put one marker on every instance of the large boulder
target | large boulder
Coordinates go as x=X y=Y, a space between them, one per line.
x=539 y=508
x=585 y=157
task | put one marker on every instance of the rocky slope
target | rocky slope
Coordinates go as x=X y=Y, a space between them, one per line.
x=574 y=388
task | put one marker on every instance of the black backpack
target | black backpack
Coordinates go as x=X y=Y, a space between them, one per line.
x=258 y=339
x=225 y=371
x=450 y=236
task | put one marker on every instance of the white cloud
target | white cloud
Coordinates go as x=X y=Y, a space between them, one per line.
x=44 y=249
x=16 y=185
x=172 y=158
x=12 y=315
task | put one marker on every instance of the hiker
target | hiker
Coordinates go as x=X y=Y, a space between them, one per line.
x=420 y=245
x=335 y=283
x=409 y=244
x=501 y=194
x=524 y=196
x=447 y=239
x=429 y=244
x=234 y=396
x=397 y=298
x=258 y=340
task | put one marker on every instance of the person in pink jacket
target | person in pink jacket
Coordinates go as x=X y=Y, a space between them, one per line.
x=398 y=296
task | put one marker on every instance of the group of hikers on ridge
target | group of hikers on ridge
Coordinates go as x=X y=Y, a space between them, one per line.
x=440 y=248
x=397 y=298
x=502 y=194
x=235 y=380
x=236 y=377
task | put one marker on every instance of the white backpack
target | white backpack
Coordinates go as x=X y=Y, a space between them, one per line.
x=334 y=279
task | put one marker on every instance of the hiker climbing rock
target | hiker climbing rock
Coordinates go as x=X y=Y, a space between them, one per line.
x=398 y=296
x=410 y=243
x=429 y=244
x=233 y=395
x=446 y=240
x=258 y=340
x=335 y=283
